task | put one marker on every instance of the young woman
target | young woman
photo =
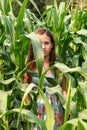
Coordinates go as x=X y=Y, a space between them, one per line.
x=48 y=46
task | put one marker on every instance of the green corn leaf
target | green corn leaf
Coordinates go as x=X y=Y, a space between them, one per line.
x=67 y=110
x=82 y=32
x=79 y=41
x=36 y=7
x=65 y=69
x=57 y=89
x=28 y=89
x=69 y=125
x=8 y=25
x=55 y=17
x=81 y=125
x=8 y=81
x=29 y=22
x=29 y=116
x=38 y=52
x=82 y=114
x=3 y=101
x=5 y=56
x=19 y=26
x=49 y=112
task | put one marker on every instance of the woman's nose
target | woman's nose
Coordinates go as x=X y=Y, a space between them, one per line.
x=42 y=46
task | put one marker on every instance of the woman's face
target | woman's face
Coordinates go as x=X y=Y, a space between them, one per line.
x=46 y=44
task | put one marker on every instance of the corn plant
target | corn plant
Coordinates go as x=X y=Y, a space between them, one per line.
x=70 y=31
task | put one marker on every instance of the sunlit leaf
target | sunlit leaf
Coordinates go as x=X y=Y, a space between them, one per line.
x=28 y=89
x=65 y=69
x=83 y=114
x=38 y=52
x=82 y=32
x=79 y=41
x=3 y=101
x=35 y=5
x=81 y=125
x=8 y=81
x=49 y=112
x=19 y=26
x=29 y=116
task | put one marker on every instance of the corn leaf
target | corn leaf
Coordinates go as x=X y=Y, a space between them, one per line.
x=38 y=52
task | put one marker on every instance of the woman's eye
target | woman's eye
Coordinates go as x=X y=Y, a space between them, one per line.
x=46 y=43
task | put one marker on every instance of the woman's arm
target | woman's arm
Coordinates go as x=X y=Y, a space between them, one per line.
x=25 y=78
x=26 y=81
x=63 y=84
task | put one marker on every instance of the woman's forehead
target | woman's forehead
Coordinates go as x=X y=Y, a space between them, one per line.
x=44 y=37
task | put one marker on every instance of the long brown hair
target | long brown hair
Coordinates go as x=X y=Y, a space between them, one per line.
x=31 y=58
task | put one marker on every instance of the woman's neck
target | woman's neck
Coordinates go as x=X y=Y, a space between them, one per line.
x=46 y=59
x=46 y=65
x=46 y=62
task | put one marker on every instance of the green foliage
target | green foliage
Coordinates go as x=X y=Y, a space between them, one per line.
x=70 y=31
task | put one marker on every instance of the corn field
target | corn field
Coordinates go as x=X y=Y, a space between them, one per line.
x=69 y=27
